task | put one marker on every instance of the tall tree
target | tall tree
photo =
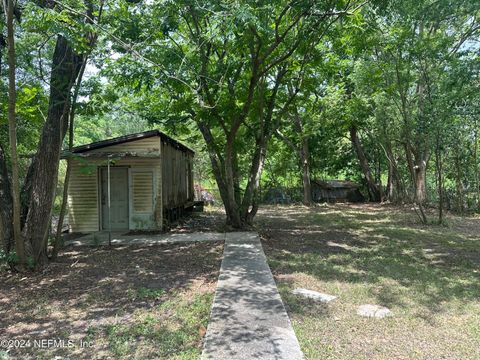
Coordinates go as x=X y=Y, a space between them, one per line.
x=40 y=184
x=12 y=93
x=373 y=188
x=228 y=70
x=66 y=65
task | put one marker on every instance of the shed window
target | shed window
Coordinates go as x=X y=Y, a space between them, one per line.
x=142 y=183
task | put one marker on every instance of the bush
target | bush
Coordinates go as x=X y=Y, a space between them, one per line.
x=8 y=259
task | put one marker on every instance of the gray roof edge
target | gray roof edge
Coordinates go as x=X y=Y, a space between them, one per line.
x=132 y=137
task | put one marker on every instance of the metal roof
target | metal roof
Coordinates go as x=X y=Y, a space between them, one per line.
x=131 y=137
x=336 y=184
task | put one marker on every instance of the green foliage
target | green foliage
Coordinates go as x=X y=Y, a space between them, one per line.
x=178 y=65
x=145 y=293
x=8 y=259
x=361 y=71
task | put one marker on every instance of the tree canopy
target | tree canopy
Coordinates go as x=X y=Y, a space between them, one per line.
x=270 y=95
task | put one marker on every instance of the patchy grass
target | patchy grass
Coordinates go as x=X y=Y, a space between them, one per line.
x=140 y=302
x=170 y=330
x=370 y=254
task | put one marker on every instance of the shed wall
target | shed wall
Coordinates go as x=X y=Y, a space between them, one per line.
x=177 y=169
x=83 y=198
x=84 y=194
x=173 y=175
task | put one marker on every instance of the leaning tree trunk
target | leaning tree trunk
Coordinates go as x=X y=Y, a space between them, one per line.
x=249 y=206
x=218 y=167
x=65 y=67
x=58 y=235
x=374 y=189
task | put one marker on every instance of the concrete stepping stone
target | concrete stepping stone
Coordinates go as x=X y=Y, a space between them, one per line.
x=315 y=295
x=375 y=311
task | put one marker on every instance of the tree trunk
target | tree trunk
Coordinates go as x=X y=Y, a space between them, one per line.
x=420 y=182
x=307 y=186
x=58 y=238
x=420 y=173
x=6 y=210
x=374 y=189
x=439 y=166
x=304 y=153
x=394 y=186
x=411 y=168
x=476 y=166
x=65 y=67
x=15 y=190
x=231 y=206
x=390 y=191
x=249 y=203
x=239 y=215
x=218 y=167
x=459 y=185
x=6 y=229
x=239 y=209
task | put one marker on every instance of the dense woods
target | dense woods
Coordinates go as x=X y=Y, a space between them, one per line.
x=273 y=94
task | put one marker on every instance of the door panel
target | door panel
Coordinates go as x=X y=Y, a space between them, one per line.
x=118 y=198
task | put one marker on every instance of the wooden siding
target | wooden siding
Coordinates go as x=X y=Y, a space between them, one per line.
x=177 y=181
x=83 y=192
x=172 y=173
x=142 y=187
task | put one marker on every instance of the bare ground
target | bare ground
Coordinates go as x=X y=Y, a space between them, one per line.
x=211 y=220
x=139 y=294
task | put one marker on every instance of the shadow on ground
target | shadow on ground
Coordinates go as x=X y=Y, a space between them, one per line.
x=92 y=288
x=382 y=246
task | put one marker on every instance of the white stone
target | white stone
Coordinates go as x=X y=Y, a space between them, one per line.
x=317 y=296
x=375 y=311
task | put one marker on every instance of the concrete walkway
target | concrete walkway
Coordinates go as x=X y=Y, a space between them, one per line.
x=120 y=238
x=248 y=319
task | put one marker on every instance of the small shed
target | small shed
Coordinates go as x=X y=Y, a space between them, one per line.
x=336 y=191
x=139 y=181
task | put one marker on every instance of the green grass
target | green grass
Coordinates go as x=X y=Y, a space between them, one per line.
x=170 y=330
x=427 y=275
x=143 y=293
